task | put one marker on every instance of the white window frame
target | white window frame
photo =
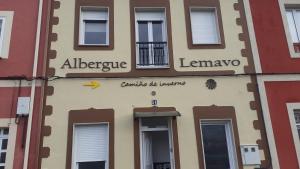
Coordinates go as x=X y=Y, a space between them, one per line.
x=291 y=107
x=232 y=154
x=171 y=144
x=74 y=161
x=82 y=25
x=149 y=14
x=11 y=145
x=297 y=27
x=293 y=53
x=7 y=18
x=214 y=9
x=2 y=33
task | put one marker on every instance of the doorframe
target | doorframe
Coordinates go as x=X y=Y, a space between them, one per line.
x=170 y=137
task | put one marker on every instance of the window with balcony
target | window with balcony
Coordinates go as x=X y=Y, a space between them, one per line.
x=151 y=39
x=94 y=26
x=204 y=26
x=293 y=18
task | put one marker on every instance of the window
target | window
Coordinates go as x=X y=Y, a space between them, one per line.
x=151 y=39
x=204 y=26
x=3 y=146
x=6 y=19
x=94 y=29
x=217 y=141
x=293 y=19
x=90 y=142
x=90 y=146
x=1 y=32
x=294 y=117
x=297 y=120
x=216 y=136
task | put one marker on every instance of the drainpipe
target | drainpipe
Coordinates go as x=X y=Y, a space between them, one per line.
x=33 y=85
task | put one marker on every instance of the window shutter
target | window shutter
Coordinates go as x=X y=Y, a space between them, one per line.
x=96 y=27
x=204 y=27
x=91 y=142
x=94 y=14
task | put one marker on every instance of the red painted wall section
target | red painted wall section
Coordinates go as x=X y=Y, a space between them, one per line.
x=43 y=38
x=8 y=108
x=278 y=95
x=35 y=131
x=23 y=35
x=271 y=40
x=19 y=150
x=8 y=100
x=20 y=141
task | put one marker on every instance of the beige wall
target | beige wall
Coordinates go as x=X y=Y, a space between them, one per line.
x=72 y=95
x=122 y=49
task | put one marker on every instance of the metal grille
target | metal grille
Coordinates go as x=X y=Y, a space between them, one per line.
x=152 y=53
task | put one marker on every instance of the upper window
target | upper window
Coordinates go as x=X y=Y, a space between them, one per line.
x=151 y=39
x=204 y=26
x=90 y=146
x=94 y=26
x=217 y=141
x=293 y=18
x=6 y=19
x=3 y=146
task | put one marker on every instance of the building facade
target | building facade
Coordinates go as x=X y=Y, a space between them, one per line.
x=279 y=83
x=22 y=40
x=151 y=84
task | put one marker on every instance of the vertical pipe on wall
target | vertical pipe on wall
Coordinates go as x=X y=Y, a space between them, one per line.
x=33 y=85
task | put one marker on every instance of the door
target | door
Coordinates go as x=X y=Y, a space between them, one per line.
x=156 y=144
x=147 y=151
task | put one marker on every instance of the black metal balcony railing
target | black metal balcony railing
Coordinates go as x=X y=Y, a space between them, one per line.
x=152 y=53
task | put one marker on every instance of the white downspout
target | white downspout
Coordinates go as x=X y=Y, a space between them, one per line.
x=33 y=85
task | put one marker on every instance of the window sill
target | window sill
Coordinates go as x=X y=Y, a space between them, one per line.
x=206 y=46
x=91 y=45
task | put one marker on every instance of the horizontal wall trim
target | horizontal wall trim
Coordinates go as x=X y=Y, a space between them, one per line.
x=15 y=83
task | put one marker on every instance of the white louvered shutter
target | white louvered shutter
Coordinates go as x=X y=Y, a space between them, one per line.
x=94 y=14
x=91 y=142
x=204 y=27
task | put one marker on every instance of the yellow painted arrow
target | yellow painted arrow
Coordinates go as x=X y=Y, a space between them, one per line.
x=92 y=84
